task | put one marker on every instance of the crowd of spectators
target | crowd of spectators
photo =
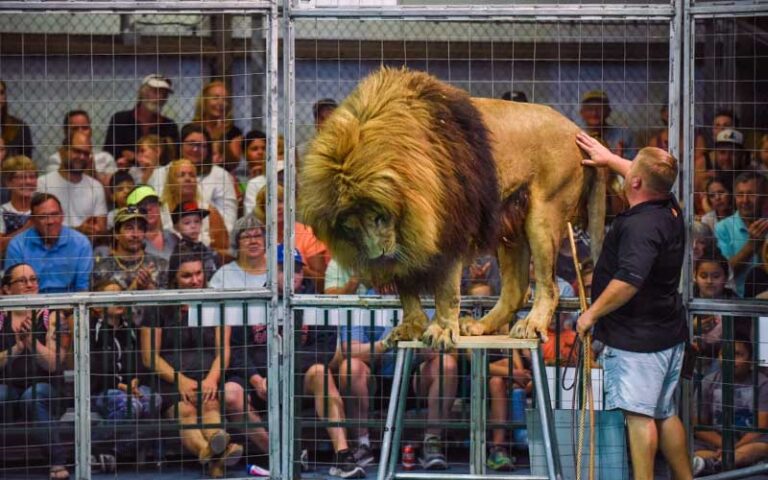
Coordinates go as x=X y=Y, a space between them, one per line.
x=164 y=207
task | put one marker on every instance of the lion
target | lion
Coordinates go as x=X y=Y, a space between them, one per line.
x=410 y=177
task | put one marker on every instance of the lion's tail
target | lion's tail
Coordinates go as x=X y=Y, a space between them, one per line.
x=595 y=180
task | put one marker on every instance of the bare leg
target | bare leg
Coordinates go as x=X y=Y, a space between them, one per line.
x=429 y=385
x=751 y=453
x=643 y=442
x=358 y=398
x=444 y=332
x=513 y=264
x=192 y=439
x=313 y=383
x=238 y=406
x=672 y=444
x=497 y=389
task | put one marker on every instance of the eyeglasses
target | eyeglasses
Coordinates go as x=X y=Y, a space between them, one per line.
x=251 y=236
x=25 y=280
x=196 y=145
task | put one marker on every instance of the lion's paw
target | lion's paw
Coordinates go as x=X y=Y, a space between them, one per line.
x=405 y=332
x=471 y=327
x=440 y=338
x=527 y=329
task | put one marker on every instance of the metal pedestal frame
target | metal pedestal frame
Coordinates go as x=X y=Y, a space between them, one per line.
x=479 y=346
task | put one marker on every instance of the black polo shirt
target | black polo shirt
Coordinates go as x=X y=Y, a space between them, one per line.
x=645 y=248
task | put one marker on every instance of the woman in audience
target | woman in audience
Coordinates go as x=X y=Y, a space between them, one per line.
x=182 y=186
x=19 y=176
x=213 y=110
x=33 y=347
x=16 y=134
x=150 y=155
x=216 y=184
x=256 y=157
x=189 y=363
x=314 y=252
x=249 y=270
x=720 y=200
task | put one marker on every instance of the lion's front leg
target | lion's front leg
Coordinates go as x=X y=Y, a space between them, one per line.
x=414 y=321
x=443 y=332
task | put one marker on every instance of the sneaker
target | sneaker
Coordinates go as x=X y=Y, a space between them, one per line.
x=432 y=457
x=304 y=461
x=257 y=471
x=706 y=466
x=363 y=456
x=346 y=467
x=499 y=460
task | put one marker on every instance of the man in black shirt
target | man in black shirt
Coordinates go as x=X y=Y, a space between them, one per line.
x=637 y=310
x=127 y=127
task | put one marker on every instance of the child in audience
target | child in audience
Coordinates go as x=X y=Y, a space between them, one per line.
x=120 y=186
x=188 y=224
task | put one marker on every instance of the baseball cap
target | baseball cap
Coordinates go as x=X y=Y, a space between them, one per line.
x=281 y=255
x=156 y=80
x=595 y=96
x=126 y=214
x=188 y=208
x=141 y=193
x=730 y=136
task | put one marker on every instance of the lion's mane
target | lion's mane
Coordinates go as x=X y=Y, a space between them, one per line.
x=416 y=147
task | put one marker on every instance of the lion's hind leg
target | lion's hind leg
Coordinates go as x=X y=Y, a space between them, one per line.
x=514 y=259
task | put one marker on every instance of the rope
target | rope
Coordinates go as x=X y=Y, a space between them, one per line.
x=587 y=399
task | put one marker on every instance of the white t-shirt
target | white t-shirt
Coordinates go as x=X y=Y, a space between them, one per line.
x=232 y=276
x=251 y=191
x=78 y=200
x=103 y=162
x=218 y=188
x=156 y=180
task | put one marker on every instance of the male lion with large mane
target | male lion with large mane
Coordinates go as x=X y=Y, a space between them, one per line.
x=410 y=177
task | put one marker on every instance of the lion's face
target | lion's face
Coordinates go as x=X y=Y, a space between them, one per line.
x=372 y=229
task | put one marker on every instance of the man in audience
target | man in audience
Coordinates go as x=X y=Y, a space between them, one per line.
x=145 y=118
x=82 y=198
x=103 y=163
x=62 y=257
x=595 y=110
x=741 y=235
x=128 y=263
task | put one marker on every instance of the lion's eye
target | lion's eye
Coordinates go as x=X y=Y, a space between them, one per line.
x=381 y=220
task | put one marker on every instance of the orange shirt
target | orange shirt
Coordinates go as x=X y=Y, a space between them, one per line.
x=567 y=343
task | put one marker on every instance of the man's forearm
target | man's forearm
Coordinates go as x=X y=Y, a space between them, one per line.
x=620 y=165
x=615 y=295
x=742 y=260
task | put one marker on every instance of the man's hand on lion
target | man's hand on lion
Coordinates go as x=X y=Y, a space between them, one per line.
x=600 y=155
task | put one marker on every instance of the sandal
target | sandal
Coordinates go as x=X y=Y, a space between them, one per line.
x=59 y=472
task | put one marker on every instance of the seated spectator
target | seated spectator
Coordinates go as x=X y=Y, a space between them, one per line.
x=704 y=161
x=17 y=137
x=62 y=257
x=19 y=176
x=159 y=242
x=213 y=112
x=217 y=186
x=188 y=363
x=34 y=345
x=515 y=96
x=233 y=156
x=564 y=267
x=314 y=252
x=249 y=269
x=182 y=186
x=594 y=112
x=103 y=166
x=256 y=158
x=151 y=153
x=720 y=200
x=128 y=264
x=81 y=196
x=116 y=390
x=661 y=138
x=339 y=281
x=437 y=381
x=120 y=186
x=321 y=110
x=187 y=223
x=750 y=447
x=5 y=195
x=127 y=127
x=481 y=277
x=730 y=159
x=703 y=240
x=740 y=236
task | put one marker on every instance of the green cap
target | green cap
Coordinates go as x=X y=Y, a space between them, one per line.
x=141 y=193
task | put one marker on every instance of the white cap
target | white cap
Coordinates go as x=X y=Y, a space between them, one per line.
x=729 y=135
x=155 y=80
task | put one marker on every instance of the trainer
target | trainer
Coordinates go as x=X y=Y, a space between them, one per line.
x=637 y=311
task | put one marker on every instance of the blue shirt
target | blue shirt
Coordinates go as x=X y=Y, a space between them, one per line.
x=64 y=267
x=385 y=362
x=732 y=234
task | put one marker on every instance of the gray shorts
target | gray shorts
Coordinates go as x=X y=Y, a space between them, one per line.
x=642 y=383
